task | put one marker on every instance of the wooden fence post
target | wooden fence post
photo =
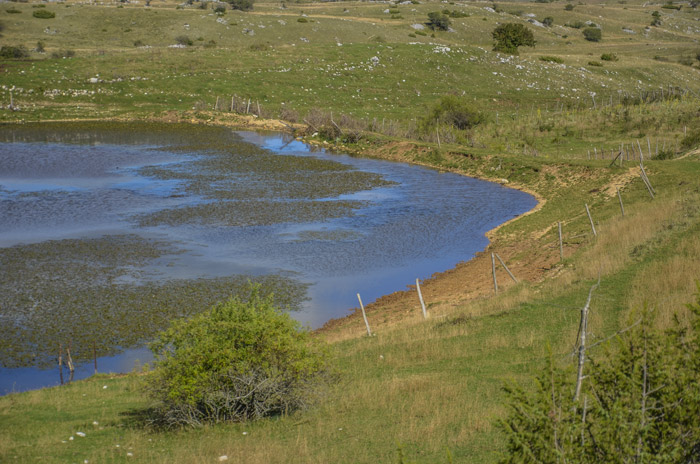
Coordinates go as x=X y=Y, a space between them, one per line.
x=506 y=268
x=493 y=270
x=591 y=220
x=364 y=315
x=622 y=207
x=582 y=341
x=561 y=244
x=420 y=297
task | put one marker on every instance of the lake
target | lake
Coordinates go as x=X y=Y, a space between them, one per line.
x=108 y=231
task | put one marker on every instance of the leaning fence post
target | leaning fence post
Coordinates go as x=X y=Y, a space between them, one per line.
x=561 y=244
x=506 y=268
x=582 y=341
x=420 y=297
x=493 y=270
x=364 y=316
x=622 y=207
x=591 y=220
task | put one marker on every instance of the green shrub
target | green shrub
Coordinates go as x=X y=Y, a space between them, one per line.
x=665 y=155
x=44 y=14
x=241 y=360
x=421 y=33
x=220 y=9
x=138 y=43
x=609 y=57
x=63 y=54
x=411 y=34
x=438 y=21
x=551 y=59
x=691 y=140
x=453 y=111
x=671 y=6
x=40 y=47
x=548 y=21
x=15 y=52
x=592 y=34
x=595 y=63
x=569 y=7
x=575 y=24
x=183 y=40
x=302 y=20
x=13 y=10
x=640 y=402
x=508 y=37
x=242 y=5
x=458 y=14
x=259 y=47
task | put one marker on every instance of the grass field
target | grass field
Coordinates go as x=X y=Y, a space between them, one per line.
x=430 y=388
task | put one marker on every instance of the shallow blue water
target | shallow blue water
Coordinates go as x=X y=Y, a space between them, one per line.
x=424 y=223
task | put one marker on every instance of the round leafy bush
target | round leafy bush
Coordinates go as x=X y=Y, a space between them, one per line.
x=592 y=34
x=438 y=21
x=44 y=14
x=508 y=37
x=241 y=360
x=453 y=111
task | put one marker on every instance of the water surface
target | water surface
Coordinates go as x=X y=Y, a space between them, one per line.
x=108 y=232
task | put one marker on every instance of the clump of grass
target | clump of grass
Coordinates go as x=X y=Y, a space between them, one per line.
x=576 y=24
x=63 y=54
x=691 y=140
x=16 y=52
x=259 y=47
x=609 y=57
x=183 y=40
x=595 y=63
x=44 y=14
x=551 y=59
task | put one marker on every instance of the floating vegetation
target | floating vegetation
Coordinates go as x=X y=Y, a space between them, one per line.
x=340 y=235
x=251 y=213
x=85 y=291
x=117 y=291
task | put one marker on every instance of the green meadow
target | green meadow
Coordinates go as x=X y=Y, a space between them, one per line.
x=419 y=391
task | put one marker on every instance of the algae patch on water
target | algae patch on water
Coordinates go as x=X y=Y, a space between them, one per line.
x=81 y=291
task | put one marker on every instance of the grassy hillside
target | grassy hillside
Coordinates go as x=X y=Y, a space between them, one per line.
x=431 y=388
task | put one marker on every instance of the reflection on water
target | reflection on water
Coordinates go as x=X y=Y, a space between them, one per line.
x=217 y=205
